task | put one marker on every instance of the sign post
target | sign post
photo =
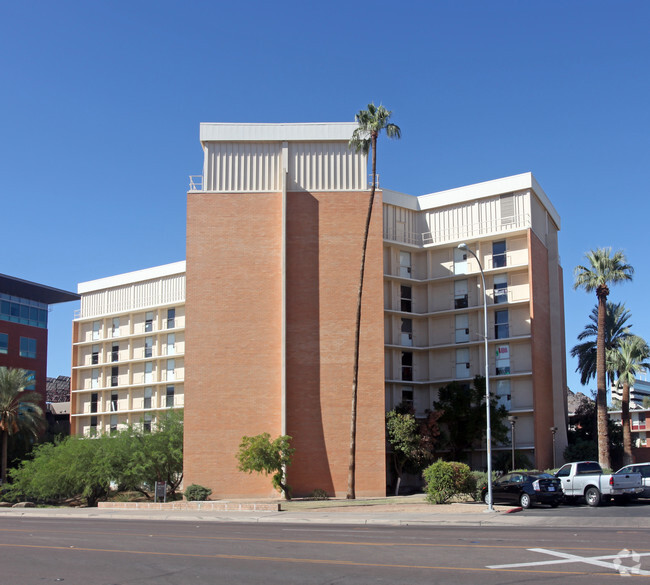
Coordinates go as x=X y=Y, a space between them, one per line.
x=160 y=491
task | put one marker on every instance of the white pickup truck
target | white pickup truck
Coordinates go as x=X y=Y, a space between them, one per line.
x=586 y=479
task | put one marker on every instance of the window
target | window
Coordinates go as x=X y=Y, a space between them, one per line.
x=460 y=294
x=169 y=398
x=405 y=264
x=500 y=292
x=114 y=402
x=503 y=393
x=462 y=328
x=115 y=352
x=115 y=371
x=27 y=347
x=407 y=365
x=94 y=378
x=503 y=360
x=148 y=347
x=147 y=397
x=462 y=363
x=93 y=426
x=148 y=372
x=94 y=399
x=499 y=259
x=171 y=369
x=501 y=327
x=147 y=423
x=24 y=311
x=148 y=321
x=115 y=327
x=96 y=328
x=113 y=423
x=94 y=356
x=171 y=343
x=406 y=296
x=171 y=318
x=32 y=379
x=4 y=343
x=407 y=332
x=407 y=395
x=460 y=261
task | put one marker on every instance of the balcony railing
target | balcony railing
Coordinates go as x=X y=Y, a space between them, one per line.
x=196 y=182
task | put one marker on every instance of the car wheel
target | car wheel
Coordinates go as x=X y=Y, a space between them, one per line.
x=592 y=495
x=486 y=498
x=525 y=501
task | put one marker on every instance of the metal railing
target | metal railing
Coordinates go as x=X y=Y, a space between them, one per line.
x=196 y=182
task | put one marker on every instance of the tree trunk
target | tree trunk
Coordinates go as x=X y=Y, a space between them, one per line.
x=3 y=473
x=625 y=421
x=351 y=493
x=601 y=382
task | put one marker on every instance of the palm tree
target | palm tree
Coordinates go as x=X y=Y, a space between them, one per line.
x=20 y=409
x=616 y=330
x=628 y=359
x=370 y=124
x=603 y=268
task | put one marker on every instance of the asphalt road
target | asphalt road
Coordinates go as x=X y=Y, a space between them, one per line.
x=132 y=552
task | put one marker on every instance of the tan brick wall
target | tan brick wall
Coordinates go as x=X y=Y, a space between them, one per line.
x=233 y=336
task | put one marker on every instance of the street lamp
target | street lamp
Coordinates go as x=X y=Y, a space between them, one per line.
x=554 y=430
x=488 y=431
x=513 y=421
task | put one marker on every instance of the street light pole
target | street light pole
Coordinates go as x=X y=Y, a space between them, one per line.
x=488 y=430
x=554 y=430
x=513 y=421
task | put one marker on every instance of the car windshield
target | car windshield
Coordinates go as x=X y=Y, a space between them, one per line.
x=543 y=476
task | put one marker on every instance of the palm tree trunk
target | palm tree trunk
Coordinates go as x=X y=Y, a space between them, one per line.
x=351 y=493
x=625 y=421
x=601 y=396
x=3 y=473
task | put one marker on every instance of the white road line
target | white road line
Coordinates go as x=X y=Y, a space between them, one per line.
x=568 y=558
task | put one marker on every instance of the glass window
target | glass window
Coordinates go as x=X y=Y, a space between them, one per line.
x=94 y=399
x=147 y=422
x=462 y=363
x=115 y=327
x=462 y=328
x=148 y=372
x=171 y=369
x=114 y=399
x=115 y=352
x=113 y=423
x=500 y=292
x=407 y=365
x=499 y=258
x=407 y=332
x=407 y=395
x=169 y=402
x=406 y=294
x=503 y=393
x=171 y=318
x=148 y=347
x=405 y=264
x=171 y=343
x=27 y=347
x=93 y=425
x=32 y=379
x=460 y=294
x=148 y=321
x=94 y=357
x=148 y=392
x=94 y=378
x=4 y=342
x=96 y=328
x=503 y=360
x=501 y=327
x=460 y=261
x=115 y=371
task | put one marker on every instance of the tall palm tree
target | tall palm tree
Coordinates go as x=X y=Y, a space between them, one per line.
x=616 y=330
x=602 y=269
x=628 y=359
x=20 y=409
x=370 y=122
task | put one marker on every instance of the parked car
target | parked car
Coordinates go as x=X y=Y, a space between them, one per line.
x=526 y=489
x=644 y=470
x=586 y=479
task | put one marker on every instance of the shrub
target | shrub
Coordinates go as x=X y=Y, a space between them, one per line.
x=197 y=493
x=319 y=494
x=445 y=479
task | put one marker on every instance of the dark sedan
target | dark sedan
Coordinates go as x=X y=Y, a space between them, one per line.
x=525 y=489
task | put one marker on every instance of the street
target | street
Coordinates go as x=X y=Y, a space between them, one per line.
x=130 y=552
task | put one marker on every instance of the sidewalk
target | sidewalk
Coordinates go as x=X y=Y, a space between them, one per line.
x=361 y=512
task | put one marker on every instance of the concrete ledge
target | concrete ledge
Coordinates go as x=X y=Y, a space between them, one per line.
x=204 y=506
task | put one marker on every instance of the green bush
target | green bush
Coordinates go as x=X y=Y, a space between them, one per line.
x=197 y=493
x=445 y=479
x=319 y=494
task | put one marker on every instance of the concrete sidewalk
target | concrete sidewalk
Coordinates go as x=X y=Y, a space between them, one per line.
x=467 y=514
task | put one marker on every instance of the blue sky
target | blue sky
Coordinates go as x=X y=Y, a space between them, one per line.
x=101 y=103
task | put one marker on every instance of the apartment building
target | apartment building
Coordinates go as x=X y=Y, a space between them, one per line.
x=128 y=349
x=639 y=392
x=434 y=320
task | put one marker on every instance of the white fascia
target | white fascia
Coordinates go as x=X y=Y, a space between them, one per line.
x=315 y=132
x=131 y=277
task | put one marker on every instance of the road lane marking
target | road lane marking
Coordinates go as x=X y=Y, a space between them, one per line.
x=569 y=558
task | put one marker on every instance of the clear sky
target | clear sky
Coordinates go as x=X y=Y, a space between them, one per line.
x=100 y=105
